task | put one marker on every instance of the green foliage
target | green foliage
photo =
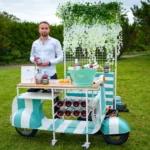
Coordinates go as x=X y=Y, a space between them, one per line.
x=128 y=35
x=142 y=20
x=88 y=13
x=6 y=59
x=16 y=53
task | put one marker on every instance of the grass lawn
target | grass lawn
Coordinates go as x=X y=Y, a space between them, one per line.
x=133 y=86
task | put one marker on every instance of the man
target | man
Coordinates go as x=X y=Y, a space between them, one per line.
x=48 y=50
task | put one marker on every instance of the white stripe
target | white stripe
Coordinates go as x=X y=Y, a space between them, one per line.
x=14 y=105
x=109 y=78
x=114 y=125
x=109 y=92
x=46 y=123
x=109 y=99
x=108 y=85
x=80 y=127
x=63 y=126
x=96 y=128
x=26 y=114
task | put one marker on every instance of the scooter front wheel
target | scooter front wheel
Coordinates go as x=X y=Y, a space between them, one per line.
x=116 y=139
x=26 y=131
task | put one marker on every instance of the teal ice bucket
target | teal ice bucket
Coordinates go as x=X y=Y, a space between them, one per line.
x=83 y=77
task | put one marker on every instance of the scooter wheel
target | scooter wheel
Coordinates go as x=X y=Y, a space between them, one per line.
x=116 y=139
x=26 y=131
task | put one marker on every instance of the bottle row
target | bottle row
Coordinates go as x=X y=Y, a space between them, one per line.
x=69 y=103
x=77 y=66
x=71 y=112
x=42 y=78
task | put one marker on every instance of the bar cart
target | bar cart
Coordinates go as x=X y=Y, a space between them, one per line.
x=27 y=113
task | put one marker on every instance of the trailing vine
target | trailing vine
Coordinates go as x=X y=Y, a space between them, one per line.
x=91 y=26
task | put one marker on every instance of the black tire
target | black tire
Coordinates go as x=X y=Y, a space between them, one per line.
x=26 y=131
x=116 y=139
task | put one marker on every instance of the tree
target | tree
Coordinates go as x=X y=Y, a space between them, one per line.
x=142 y=19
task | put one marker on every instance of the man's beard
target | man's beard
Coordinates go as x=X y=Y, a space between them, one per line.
x=44 y=35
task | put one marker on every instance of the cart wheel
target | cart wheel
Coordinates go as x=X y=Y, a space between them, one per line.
x=26 y=131
x=116 y=139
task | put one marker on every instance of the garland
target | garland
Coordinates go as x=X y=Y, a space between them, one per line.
x=88 y=13
x=91 y=26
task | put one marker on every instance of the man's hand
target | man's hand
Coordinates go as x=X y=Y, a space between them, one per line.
x=36 y=62
x=44 y=64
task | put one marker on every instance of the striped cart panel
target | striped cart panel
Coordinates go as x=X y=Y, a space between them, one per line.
x=109 y=89
x=114 y=125
x=27 y=113
x=74 y=126
x=79 y=93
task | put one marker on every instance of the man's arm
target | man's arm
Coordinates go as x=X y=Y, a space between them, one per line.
x=32 y=54
x=59 y=54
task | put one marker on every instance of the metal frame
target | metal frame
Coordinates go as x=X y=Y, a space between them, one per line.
x=54 y=140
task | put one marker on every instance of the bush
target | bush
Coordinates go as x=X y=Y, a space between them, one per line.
x=16 y=53
x=6 y=59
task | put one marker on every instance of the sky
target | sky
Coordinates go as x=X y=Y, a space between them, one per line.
x=44 y=10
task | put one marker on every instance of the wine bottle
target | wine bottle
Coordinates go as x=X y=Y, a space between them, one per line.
x=68 y=112
x=68 y=103
x=83 y=113
x=38 y=77
x=60 y=103
x=76 y=66
x=38 y=60
x=83 y=104
x=61 y=112
x=106 y=68
x=77 y=112
x=45 y=79
x=76 y=103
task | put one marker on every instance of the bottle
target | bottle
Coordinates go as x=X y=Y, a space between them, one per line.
x=39 y=61
x=68 y=112
x=83 y=104
x=76 y=112
x=106 y=68
x=60 y=112
x=45 y=79
x=38 y=77
x=76 y=103
x=76 y=66
x=68 y=103
x=83 y=113
x=60 y=103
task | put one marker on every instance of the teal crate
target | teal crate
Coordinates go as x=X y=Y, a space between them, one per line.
x=83 y=77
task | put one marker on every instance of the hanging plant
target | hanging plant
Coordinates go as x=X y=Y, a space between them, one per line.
x=91 y=26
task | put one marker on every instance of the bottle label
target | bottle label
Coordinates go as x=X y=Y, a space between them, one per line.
x=106 y=70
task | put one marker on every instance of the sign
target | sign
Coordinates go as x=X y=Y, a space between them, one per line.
x=27 y=74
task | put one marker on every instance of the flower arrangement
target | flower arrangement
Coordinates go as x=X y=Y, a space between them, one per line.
x=91 y=26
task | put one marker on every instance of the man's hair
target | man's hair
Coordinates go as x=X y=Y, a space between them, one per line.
x=44 y=22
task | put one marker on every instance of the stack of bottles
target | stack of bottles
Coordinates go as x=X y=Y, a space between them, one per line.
x=70 y=107
x=41 y=78
x=77 y=66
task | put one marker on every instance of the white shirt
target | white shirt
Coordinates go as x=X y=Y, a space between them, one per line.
x=49 y=51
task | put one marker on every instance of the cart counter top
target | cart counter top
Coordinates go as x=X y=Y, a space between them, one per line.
x=56 y=85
